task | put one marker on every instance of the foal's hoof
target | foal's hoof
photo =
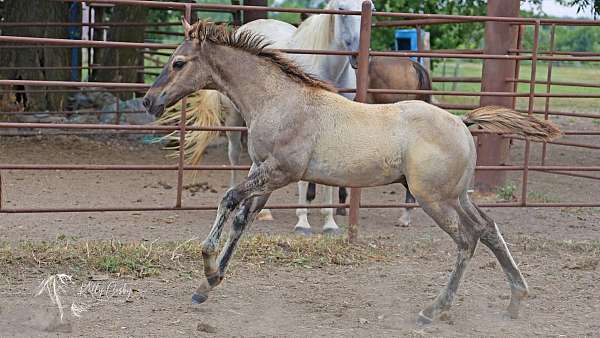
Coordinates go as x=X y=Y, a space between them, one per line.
x=423 y=319
x=303 y=231
x=340 y=211
x=332 y=231
x=198 y=298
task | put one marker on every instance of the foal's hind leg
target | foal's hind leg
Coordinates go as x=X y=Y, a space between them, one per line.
x=492 y=238
x=465 y=234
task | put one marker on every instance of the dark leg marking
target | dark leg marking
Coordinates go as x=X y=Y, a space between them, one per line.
x=311 y=192
x=342 y=195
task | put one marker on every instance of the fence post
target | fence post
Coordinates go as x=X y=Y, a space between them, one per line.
x=254 y=15
x=182 y=122
x=500 y=37
x=362 y=82
x=532 y=79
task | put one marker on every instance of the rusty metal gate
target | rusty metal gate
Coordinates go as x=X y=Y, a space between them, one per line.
x=383 y=19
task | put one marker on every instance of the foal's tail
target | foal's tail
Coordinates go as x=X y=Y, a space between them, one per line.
x=204 y=108
x=507 y=121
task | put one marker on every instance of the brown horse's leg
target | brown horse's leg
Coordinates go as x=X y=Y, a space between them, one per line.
x=452 y=220
x=492 y=238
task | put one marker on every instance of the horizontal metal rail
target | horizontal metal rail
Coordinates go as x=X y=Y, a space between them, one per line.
x=244 y=167
x=288 y=206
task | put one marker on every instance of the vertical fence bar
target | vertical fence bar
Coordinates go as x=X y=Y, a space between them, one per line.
x=117 y=110
x=518 y=63
x=536 y=35
x=361 y=96
x=419 y=42
x=0 y=190
x=548 y=88
x=182 y=122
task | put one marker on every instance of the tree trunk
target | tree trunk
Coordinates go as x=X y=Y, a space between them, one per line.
x=28 y=11
x=123 y=56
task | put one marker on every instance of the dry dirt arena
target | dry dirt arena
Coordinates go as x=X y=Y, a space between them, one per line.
x=558 y=250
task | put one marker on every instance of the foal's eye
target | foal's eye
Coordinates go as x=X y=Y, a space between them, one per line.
x=178 y=64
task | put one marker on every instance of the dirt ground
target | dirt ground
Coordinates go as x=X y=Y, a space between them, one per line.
x=556 y=248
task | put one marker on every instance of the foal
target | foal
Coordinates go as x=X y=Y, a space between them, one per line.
x=300 y=129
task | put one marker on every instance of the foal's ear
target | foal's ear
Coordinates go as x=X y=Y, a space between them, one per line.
x=187 y=28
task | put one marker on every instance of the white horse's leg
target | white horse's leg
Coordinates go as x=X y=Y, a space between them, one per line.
x=329 y=225
x=405 y=213
x=302 y=227
x=234 y=148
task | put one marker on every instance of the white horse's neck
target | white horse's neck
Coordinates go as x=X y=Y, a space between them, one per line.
x=318 y=32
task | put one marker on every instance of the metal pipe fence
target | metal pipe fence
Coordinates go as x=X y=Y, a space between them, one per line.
x=533 y=56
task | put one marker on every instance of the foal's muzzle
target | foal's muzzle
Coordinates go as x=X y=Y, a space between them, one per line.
x=154 y=106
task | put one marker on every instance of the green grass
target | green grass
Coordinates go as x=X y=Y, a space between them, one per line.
x=572 y=73
x=507 y=192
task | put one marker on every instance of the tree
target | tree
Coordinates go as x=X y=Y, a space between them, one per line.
x=122 y=56
x=582 y=5
x=44 y=11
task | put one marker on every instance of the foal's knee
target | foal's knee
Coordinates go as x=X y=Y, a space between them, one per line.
x=232 y=199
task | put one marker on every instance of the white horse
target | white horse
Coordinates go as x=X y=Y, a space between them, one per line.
x=318 y=32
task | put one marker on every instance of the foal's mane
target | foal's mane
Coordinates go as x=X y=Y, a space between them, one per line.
x=254 y=44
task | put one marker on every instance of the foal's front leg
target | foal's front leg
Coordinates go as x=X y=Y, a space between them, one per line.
x=245 y=216
x=261 y=181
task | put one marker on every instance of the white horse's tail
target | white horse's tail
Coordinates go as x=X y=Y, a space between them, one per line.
x=204 y=108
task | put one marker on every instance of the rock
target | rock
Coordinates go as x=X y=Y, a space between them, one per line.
x=203 y=327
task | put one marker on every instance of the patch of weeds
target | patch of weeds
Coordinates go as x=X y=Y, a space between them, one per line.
x=589 y=247
x=507 y=192
x=596 y=122
x=310 y=251
x=540 y=197
x=139 y=259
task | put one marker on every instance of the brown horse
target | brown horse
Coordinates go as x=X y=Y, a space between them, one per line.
x=297 y=124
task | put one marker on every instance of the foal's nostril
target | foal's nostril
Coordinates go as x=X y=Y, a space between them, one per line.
x=147 y=102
